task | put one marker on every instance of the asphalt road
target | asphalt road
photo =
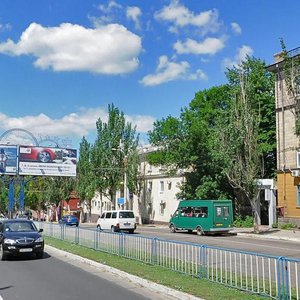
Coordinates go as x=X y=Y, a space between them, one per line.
x=57 y=278
x=251 y=244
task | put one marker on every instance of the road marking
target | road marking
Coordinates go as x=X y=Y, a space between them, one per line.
x=1 y=298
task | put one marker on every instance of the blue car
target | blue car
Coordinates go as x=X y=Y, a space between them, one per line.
x=69 y=220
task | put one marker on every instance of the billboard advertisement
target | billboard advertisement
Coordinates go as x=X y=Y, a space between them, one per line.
x=47 y=161
x=8 y=160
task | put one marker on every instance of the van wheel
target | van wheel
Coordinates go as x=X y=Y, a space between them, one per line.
x=112 y=229
x=98 y=227
x=172 y=228
x=199 y=230
x=190 y=231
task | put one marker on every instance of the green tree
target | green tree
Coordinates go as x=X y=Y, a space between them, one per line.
x=85 y=185
x=247 y=137
x=114 y=154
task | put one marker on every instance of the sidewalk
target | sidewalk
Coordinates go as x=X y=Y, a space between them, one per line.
x=269 y=233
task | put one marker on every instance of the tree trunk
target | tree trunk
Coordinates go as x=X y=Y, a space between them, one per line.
x=255 y=205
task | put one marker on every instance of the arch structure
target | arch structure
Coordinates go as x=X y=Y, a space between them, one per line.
x=18 y=136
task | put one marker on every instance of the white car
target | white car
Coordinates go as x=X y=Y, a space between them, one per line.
x=117 y=220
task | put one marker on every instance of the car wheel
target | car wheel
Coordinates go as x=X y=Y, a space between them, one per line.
x=172 y=228
x=39 y=255
x=2 y=254
x=44 y=156
x=131 y=231
x=199 y=230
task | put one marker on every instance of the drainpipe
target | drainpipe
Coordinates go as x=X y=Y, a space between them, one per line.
x=283 y=136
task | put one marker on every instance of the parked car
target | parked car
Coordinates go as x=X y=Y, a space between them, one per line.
x=44 y=155
x=19 y=237
x=69 y=220
x=117 y=220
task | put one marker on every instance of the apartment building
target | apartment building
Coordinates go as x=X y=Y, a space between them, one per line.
x=287 y=95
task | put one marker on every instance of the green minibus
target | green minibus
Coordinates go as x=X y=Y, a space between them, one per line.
x=204 y=216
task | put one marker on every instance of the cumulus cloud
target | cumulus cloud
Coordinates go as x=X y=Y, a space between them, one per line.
x=70 y=47
x=109 y=13
x=74 y=125
x=134 y=13
x=169 y=71
x=208 y=46
x=241 y=55
x=236 y=28
x=179 y=16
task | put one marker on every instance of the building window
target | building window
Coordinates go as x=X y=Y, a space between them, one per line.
x=169 y=185
x=298 y=195
x=162 y=186
x=298 y=159
x=162 y=208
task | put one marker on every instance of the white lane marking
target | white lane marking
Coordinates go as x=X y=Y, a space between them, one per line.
x=1 y=298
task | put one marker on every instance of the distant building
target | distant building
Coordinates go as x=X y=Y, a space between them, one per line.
x=156 y=199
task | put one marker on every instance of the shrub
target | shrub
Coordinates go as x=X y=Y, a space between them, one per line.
x=243 y=222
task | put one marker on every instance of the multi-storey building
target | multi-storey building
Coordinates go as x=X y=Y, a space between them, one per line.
x=156 y=198
x=287 y=95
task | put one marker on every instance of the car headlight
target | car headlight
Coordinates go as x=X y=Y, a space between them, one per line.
x=39 y=240
x=9 y=241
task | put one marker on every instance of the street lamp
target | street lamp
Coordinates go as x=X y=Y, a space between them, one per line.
x=125 y=175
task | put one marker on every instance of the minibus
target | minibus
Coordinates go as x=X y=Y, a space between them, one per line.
x=203 y=216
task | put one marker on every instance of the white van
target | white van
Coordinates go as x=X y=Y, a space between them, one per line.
x=116 y=220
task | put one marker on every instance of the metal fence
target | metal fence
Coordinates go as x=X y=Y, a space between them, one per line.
x=272 y=276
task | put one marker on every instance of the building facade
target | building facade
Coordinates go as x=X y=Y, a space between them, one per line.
x=156 y=198
x=288 y=146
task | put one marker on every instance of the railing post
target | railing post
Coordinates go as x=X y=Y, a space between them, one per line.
x=154 y=251
x=121 y=243
x=203 y=263
x=77 y=235
x=282 y=278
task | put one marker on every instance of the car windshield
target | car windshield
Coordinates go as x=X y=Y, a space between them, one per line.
x=19 y=227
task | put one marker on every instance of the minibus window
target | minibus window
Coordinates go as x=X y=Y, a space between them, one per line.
x=114 y=215
x=226 y=212
x=219 y=211
x=108 y=215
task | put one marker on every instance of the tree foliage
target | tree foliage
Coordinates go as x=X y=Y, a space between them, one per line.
x=225 y=139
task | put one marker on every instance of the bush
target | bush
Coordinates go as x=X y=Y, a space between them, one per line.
x=243 y=222
x=287 y=226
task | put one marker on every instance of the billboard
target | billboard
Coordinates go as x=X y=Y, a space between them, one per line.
x=8 y=160
x=47 y=161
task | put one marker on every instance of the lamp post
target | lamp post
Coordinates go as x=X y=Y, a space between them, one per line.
x=125 y=174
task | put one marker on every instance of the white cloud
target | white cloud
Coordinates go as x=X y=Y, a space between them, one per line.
x=4 y=27
x=169 y=71
x=70 y=47
x=236 y=28
x=134 y=13
x=75 y=125
x=181 y=16
x=241 y=55
x=208 y=46
x=108 y=12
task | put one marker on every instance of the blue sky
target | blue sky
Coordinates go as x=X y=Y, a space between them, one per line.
x=63 y=61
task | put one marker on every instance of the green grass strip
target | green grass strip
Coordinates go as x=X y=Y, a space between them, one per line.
x=181 y=282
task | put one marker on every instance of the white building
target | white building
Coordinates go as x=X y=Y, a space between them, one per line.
x=156 y=199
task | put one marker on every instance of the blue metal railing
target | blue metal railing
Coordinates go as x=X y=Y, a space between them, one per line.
x=274 y=276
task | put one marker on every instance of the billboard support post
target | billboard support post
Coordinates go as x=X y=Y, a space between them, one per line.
x=11 y=198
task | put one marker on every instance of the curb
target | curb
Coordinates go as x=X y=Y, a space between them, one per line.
x=268 y=237
x=155 y=287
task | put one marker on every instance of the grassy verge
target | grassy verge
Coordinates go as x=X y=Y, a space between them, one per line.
x=194 y=286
